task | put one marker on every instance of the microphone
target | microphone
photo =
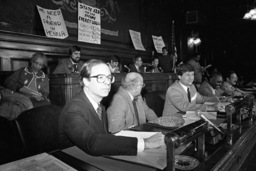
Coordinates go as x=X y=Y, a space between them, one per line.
x=212 y=124
x=180 y=63
x=160 y=69
x=127 y=68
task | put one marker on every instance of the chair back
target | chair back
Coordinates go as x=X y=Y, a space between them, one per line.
x=155 y=102
x=38 y=129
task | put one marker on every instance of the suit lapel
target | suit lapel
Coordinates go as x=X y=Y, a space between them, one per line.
x=102 y=125
x=128 y=98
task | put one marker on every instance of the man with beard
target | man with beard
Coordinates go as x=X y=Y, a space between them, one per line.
x=182 y=96
x=72 y=64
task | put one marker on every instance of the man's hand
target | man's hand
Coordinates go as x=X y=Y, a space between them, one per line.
x=155 y=141
x=38 y=98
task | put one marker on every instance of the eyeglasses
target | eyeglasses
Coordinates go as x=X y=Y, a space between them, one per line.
x=39 y=64
x=102 y=78
x=142 y=85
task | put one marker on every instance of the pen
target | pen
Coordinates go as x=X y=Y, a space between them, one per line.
x=218 y=99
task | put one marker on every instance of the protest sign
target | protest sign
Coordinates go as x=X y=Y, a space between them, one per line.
x=53 y=23
x=158 y=43
x=89 y=25
x=136 y=40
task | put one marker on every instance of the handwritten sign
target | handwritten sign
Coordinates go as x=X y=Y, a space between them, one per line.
x=158 y=43
x=53 y=23
x=89 y=26
x=136 y=40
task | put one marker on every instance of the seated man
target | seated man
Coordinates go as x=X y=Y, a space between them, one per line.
x=114 y=64
x=31 y=81
x=83 y=121
x=229 y=85
x=72 y=64
x=182 y=96
x=122 y=113
x=212 y=88
x=137 y=65
x=154 y=68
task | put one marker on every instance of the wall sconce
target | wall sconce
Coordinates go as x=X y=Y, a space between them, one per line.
x=194 y=40
x=251 y=15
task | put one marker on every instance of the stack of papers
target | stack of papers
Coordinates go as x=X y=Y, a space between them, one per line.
x=43 y=162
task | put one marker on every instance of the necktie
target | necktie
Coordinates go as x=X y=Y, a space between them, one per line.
x=189 y=97
x=99 y=112
x=75 y=68
x=136 y=110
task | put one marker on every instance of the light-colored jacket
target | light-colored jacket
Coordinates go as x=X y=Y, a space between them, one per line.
x=121 y=114
x=177 y=103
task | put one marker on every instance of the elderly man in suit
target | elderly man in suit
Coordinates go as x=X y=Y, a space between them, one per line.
x=122 y=114
x=83 y=121
x=72 y=64
x=182 y=95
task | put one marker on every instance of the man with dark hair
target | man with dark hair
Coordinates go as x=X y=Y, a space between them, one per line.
x=72 y=64
x=212 y=88
x=122 y=113
x=182 y=96
x=114 y=64
x=83 y=121
x=154 y=68
x=137 y=65
x=166 y=61
x=229 y=85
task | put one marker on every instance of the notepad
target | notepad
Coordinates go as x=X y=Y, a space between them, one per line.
x=135 y=134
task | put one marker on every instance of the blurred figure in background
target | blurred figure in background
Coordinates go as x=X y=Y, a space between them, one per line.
x=155 y=68
x=137 y=65
x=114 y=64
x=72 y=64
x=31 y=81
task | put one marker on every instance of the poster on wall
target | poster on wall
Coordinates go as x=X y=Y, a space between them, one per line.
x=136 y=40
x=53 y=23
x=89 y=27
x=158 y=43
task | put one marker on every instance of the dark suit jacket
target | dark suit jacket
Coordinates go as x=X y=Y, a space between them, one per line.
x=134 y=69
x=79 y=125
x=65 y=66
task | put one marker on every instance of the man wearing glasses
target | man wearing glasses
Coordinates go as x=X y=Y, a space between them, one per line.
x=83 y=121
x=72 y=64
x=31 y=81
x=127 y=108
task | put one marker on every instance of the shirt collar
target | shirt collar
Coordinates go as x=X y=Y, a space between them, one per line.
x=130 y=96
x=184 y=87
x=72 y=61
x=94 y=104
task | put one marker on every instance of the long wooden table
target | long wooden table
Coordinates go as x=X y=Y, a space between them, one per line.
x=221 y=156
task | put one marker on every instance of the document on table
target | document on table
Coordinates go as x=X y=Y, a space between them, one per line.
x=43 y=162
x=137 y=134
x=191 y=116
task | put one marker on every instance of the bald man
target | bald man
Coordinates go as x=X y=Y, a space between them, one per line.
x=122 y=112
